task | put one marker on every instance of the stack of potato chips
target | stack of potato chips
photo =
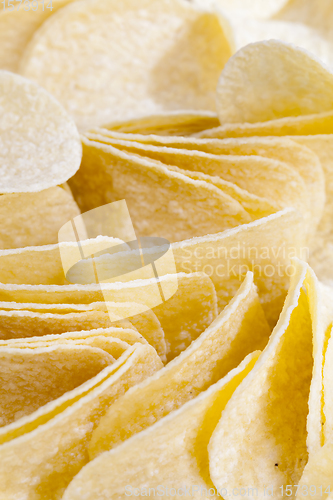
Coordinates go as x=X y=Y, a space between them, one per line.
x=223 y=387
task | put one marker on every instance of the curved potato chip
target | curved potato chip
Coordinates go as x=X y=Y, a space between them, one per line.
x=34 y=218
x=17 y=28
x=49 y=372
x=257 y=427
x=253 y=8
x=265 y=80
x=58 y=433
x=170 y=456
x=239 y=329
x=39 y=142
x=168 y=123
x=263 y=178
x=161 y=203
x=134 y=58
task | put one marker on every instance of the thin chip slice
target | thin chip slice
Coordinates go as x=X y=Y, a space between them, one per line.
x=125 y=335
x=42 y=265
x=183 y=317
x=240 y=329
x=257 y=175
x=34 y=218
x=264 y=81
x=168 y=456
x=161 y=203
x=321 y=123
x=261 y=9
x=17 y=27
x=49 y=372
x=261 y=440
x=145 y=322
x=52 y=443
x=40 y=144
x=172 y=123
x=265 y=247
x=183 y=43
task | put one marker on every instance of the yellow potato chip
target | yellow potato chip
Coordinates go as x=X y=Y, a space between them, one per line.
x=161 y=203
x=239 y=329
x=41 y=453
x=261 y=177
x=257 y=88
x=261 y=437
x=49 y=372
x=321 y=123
x=17 y=27
x=265 y=247
x=170 y=457
x=40 y=145
x=34 y=218
x=42 y=265
x=183 y=43
x=145 y=322
x=257 y=9
x=168 y=123
x=126 y=335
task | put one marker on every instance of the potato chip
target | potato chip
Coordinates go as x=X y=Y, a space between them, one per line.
x=257 y=9
x=40 y=145
x=145 y=322
x=261 y=437
x=17 y=27
x=265 y=247
x=168 y=123
x=170 y=456
x=34 y=218
x=49 y=372
x=41 y=453
x=272 y=84
x=41 y=265
x=261 y=177
x=129 y=336
x=321 y=123
x=282 y=149
x=161 y=203
x=183 y=43
x=239 y=329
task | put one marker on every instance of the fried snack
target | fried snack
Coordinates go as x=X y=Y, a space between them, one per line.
x=264 y=423
x=59 y=432
x=160 y=202
x=34 y=218
x=40 y=144
x=150 y=51
x=175 y=448
x=240 y=329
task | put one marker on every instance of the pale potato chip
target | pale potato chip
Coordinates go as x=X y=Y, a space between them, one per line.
x=105 y=59
x=170 y=456
x=265 y=81
x=41 y=453
x=321 y=123
x=265 y=247
x=145 y=322
x=17 y=27
x=317 y=477
x=42 y=265
x=183 y=317
x=168 y=123
x=34 y=218
x=40 y=145
x=161 y=203
x=262 y=9
x=283 y=149
x=239 y=329
x=49 y=372
x=113 y=346
x=126 y=335
x=261 y=437
x=257 y=175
